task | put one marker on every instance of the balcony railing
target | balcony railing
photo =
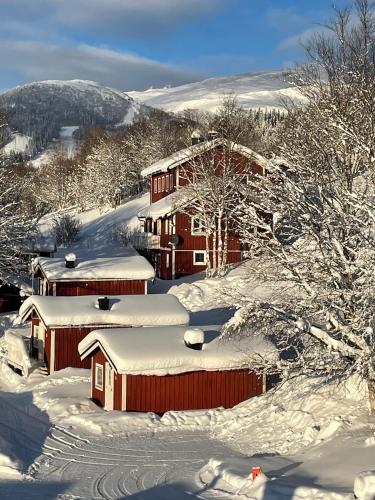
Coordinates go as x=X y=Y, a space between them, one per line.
x=146 y=241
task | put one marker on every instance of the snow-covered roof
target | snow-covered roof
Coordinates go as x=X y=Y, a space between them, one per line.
x=130 y=267
x=162 y=351
x=125 y=310
x=163 y=207
x=191 y=152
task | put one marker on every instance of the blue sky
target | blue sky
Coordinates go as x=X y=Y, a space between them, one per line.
x=135 y=44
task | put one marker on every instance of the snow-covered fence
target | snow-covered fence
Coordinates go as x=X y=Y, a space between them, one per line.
x=18 y=353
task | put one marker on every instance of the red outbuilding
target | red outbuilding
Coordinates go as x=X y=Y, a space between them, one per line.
x=170 y=368
x=70 y=276
x=58 y=324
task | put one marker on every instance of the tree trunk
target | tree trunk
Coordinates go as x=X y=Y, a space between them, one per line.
x=371 y=395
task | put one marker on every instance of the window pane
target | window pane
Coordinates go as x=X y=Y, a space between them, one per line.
x=199 y=258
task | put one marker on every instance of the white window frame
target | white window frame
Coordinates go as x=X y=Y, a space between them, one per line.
x=159 y=185
x=167 y=182
x=158 y=227
x=155 y=186
x=167 y=260
x=171 y=181
x=99 y=367
x=195 y=253
x=200 y=231
x=163 y=184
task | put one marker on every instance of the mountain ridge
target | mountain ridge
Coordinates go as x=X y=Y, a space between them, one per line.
x=262 y=89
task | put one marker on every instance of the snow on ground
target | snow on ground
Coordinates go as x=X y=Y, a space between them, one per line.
x=310 y=439
x=253 y=90
x=100 y=234
x=19 y=143
x=66 y=143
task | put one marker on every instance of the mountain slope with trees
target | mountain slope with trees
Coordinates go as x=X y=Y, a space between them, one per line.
x=39 y=110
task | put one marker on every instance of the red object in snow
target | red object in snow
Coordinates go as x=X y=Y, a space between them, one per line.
x=255 y=472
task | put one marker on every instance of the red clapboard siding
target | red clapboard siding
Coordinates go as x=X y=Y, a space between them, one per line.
x=191 y=391
x=97 y=395
x=113 y=287
x=117 y=392
x=66 y=347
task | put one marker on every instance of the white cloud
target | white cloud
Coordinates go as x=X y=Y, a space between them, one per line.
x=297 y=41
x=123 y=70
x=121 y=18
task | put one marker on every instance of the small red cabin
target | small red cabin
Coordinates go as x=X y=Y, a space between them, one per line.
x=113 y=275
x=156 y=370
x=173 y=237
x=58 y=324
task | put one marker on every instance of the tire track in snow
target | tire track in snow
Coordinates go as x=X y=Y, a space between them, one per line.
x=109 y=468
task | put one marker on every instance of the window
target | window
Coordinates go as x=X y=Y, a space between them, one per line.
x=158 y=227
x=167 y=183
x=98 y=377
x=159 y=185
x=155 y=185
x=171 y=181
x=197 y=226
x=167 y=260
x=163 y=183
x=199 y=258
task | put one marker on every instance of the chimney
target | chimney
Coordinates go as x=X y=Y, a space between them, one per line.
x=194 y=339
x=70 y=260
x=103 y=303
x=196 y=137
x=212 y=135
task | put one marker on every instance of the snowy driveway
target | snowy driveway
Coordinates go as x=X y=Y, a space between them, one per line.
x=162 y=466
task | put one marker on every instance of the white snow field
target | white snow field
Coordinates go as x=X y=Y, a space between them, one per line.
x=66 y=144
x=100 y=232
x=19 y=143
x=311 y=441
x=264 y=90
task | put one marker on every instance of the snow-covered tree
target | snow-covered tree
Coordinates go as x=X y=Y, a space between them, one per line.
x=319 y=249
x=214 y=184
x=15 y=226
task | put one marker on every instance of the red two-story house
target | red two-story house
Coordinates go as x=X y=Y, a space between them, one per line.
x=172 y=239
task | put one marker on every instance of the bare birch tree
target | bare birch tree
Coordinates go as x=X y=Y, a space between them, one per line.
x=321 y=243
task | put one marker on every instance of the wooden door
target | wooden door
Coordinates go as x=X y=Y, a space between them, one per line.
x=109 y=383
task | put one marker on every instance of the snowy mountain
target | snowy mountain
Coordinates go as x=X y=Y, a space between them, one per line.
x=43 y=110
x=253 y=90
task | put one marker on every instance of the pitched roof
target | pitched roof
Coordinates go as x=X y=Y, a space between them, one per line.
x=131 y=267
x=162 y=351
x=125 y=310
x=191 y=152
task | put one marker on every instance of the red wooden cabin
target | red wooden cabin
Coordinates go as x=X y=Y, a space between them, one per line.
x=172 y=240
x=153 y=370
x=58 y=324
x=108 y=276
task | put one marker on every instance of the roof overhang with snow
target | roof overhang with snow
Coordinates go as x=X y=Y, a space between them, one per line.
x=192 y=152
x=162 y=351
x=132 y=267
x=125 y=310
x=167 y=205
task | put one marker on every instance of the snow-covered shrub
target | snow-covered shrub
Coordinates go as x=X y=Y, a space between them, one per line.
x=66 y=229
x=121 y=234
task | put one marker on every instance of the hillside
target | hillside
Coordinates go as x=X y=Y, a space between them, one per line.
x=253 y=90
x=41 y=110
